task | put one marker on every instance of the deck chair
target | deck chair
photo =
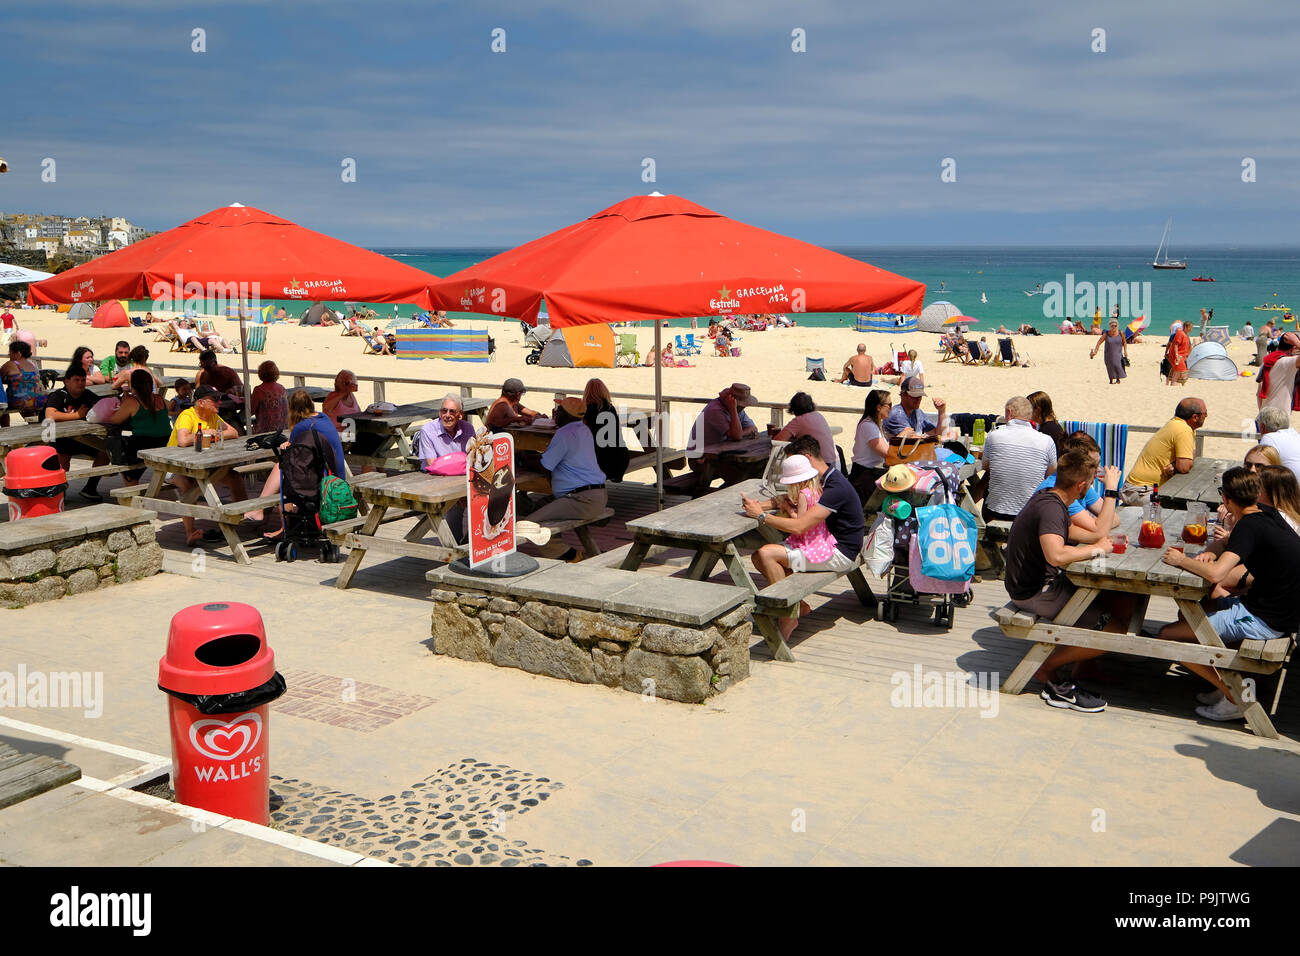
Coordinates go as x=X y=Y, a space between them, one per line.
x=681 y=346
x=816 y=369
x=693 y=347
x=255 y=338
x=205 y=327
x=980 y=353
x=628 y=356
x=948 y=346
x=368 y=348
x=139 y=322
x=1006 y=354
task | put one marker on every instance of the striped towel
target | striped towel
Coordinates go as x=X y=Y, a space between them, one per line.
x=1113 y=440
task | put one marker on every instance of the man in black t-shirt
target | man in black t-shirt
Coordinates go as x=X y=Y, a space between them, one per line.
x=70 y=404
x=1264 y=544
x=839 y=506
x=1037 y=550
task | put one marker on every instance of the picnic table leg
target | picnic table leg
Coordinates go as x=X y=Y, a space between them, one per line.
x=211 y=496
x=772 y=634
x=635 y=555
x=1041 y=650
x=357 y=553
x=701 y=565
x=866 y=597
x=1256 y=716
x=589 y=548
x=739 y=573
x=1139 y=613
x=422 y=527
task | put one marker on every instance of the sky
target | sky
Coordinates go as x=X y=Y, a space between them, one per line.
x=1051 y=141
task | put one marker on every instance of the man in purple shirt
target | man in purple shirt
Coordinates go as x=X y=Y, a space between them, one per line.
x=450 y=433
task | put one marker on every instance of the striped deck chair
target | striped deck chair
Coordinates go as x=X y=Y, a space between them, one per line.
x=813 y=366
x=1112 y=439
x=255 y=338
x=205 y=327
x=1006 y=355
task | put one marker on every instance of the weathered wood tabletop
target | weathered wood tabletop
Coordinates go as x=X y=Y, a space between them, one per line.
x=1141 y=572
x=714 y=526
x=24 y=775
x=1199 y=484
x=43 y=433
x=396 y=429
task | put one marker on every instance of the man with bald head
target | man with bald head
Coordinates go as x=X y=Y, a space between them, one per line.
x=1170 y=451
x=858 y=369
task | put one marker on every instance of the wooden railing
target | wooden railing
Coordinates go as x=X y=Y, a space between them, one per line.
x=776 y=410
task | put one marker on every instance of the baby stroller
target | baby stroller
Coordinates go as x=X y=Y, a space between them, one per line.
x=302 y=468
x=898 y=579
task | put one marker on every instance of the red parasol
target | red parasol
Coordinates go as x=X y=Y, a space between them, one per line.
x=656 y=257
x=237 y=253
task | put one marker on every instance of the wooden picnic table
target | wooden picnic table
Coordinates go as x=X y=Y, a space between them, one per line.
x=1143 y=573
x=749 y=454
x=1199 y=484
x=713 y=526
x=20 y=436
x=396 y=429
x=207 y=468
x=430 y=496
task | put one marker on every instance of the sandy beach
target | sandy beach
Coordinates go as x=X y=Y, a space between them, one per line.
x=771 y=363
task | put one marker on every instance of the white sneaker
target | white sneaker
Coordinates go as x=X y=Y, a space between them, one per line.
x=1223 y=710
x=1210 y=697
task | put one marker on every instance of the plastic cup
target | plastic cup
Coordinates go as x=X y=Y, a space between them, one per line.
x=1120 y=541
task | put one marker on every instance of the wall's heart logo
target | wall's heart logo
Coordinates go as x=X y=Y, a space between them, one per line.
x=226 y=740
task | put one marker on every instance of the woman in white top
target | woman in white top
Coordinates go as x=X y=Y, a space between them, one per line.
x=870 y=445
x=911 y=365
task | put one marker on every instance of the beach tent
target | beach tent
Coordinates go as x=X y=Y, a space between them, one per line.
x=656 y=257
x=589 y=346
x=1210 y=361
x=314 y=315
x=936 y=316
x=555 y=353
x=885 y=322
x=111 y=315
x=82 y=311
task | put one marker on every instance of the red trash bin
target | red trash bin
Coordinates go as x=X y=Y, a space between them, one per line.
x=34 y=481
x=219 y=675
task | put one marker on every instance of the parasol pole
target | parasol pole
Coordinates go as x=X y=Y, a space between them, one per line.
x=243 y=353
x=659 y=431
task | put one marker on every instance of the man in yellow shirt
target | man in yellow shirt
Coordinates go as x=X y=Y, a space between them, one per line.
x=1170 y=451
x=202 y=419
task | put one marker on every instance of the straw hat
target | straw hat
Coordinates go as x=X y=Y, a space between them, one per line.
x=898 y=479
x=796 y=468
x=574 y=406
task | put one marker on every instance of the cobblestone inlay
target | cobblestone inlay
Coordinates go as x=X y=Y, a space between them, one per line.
x=343 y=702
x=458 y=816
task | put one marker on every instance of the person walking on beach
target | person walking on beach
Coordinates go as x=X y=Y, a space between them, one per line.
x=1176 y=353
x=1277 y=375
x=1116 y=352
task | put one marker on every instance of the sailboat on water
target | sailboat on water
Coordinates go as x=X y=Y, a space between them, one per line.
x=1167 y=263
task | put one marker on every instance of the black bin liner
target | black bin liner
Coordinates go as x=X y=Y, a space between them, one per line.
x=236 y=702
x=51 y=491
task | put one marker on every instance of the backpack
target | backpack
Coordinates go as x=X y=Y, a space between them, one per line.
x=337 y=503
x=818 y=375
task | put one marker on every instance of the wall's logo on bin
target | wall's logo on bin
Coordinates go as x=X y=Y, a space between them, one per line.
x=226 y=740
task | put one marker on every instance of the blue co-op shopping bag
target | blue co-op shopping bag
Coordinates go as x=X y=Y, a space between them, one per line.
x=946 y=542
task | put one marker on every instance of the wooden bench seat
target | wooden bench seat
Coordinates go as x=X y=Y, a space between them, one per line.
x=995 y=537
x=27 y=775
x=99 y=471
x=673 y=458
x=782 y=599
x=127 y=491
x=582 y=528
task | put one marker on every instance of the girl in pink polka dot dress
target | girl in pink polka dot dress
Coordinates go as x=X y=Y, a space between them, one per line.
x=816 y=544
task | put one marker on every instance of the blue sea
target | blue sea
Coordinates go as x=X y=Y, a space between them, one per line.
x=989 y=282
